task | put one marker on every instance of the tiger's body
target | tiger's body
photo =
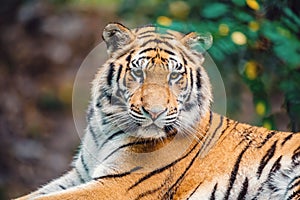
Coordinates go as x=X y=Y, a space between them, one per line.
x=153 y=94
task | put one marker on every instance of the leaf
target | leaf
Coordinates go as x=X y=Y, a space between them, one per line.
x=288 y=52
x=292 y=15
x=243 y=16
x=215 y=10
x=239 y=2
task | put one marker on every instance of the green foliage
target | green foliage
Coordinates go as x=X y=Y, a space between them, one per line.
x=256 y=41
x=215 y=10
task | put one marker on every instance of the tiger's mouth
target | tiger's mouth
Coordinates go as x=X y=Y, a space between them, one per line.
x=152 y=124
x=154 y=129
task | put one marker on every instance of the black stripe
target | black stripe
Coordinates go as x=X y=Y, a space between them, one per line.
x=79 y=176
x=219 y=126
x=243 y=192
x=150 y=192
x=287 y=139
x=234 y=171
x=148 y=49
x=167 y=32
x=168 y=52
x=98 y=102
x=146 y=32
x=295 y=194
x=292 y=184
x=128 y=59
x=213 y=193
x=119 y=92
x=119 y=72
x=276 y=166
x=185 y=55
x=267 y=157
x=198 y=79
x=159 y=170
x=179 y=67
x=110 y=74
x=210 y=117
x=90 y=113
x=62 y=187
x=104 y=119
x=124 y=146
x=191 y=85
x=158 y=42
x=227 y=125
x=268 y=137
x=86 y=169
x=118 y=175
x=177 y=183
x=104 y=93
x=195 y=189
x=184 y=60
x=136 y=115
x=212 y=136
x=145 y=36
x=296 y=156
x=116 y=134
x=94 y=136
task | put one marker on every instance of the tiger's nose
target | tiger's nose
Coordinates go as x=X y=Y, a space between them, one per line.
x=154 y=112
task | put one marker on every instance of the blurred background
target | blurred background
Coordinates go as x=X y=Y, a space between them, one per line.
x=42 y=44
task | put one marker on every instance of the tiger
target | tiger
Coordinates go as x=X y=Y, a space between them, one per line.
x=153 y=95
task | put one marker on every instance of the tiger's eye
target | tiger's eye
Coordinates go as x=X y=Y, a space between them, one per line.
x=174 y=75
x=138 y=73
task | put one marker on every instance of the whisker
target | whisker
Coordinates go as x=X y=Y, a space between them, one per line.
x=190 y=132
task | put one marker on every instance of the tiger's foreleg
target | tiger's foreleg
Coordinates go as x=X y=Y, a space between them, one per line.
x=70 y=179
x=107 y=188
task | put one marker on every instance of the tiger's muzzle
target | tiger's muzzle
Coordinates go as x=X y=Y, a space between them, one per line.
x=153 y=104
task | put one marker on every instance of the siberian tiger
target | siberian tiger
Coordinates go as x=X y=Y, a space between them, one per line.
x=153 y=95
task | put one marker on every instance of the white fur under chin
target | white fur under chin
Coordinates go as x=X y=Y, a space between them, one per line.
x=150 y=132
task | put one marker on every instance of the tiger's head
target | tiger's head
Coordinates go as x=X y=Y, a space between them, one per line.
x=153 y=82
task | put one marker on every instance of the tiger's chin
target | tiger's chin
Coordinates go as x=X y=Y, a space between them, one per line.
x=152 y=138
x=151 y=132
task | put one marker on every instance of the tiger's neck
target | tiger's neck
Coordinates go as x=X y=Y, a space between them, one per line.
x=152 y=154
x=199 y=136
x=148 y=155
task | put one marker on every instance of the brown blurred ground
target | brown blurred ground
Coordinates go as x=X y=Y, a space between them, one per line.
x=41 y=47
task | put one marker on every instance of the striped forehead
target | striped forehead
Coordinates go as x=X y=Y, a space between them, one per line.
x=156 y=37
x=156 y=45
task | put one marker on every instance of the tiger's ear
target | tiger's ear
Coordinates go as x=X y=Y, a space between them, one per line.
x=115 y=36
x=197 y=42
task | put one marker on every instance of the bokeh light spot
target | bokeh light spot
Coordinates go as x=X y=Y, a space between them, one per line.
x=179 y=9
x=260 y=108
x=253 y=4
x=251 y=70
x=253 y=26
x=223 y=29
x=163 y=20
x=267 y=125
x=239 y=38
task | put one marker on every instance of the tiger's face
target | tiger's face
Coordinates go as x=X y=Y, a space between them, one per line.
x=155 y=81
